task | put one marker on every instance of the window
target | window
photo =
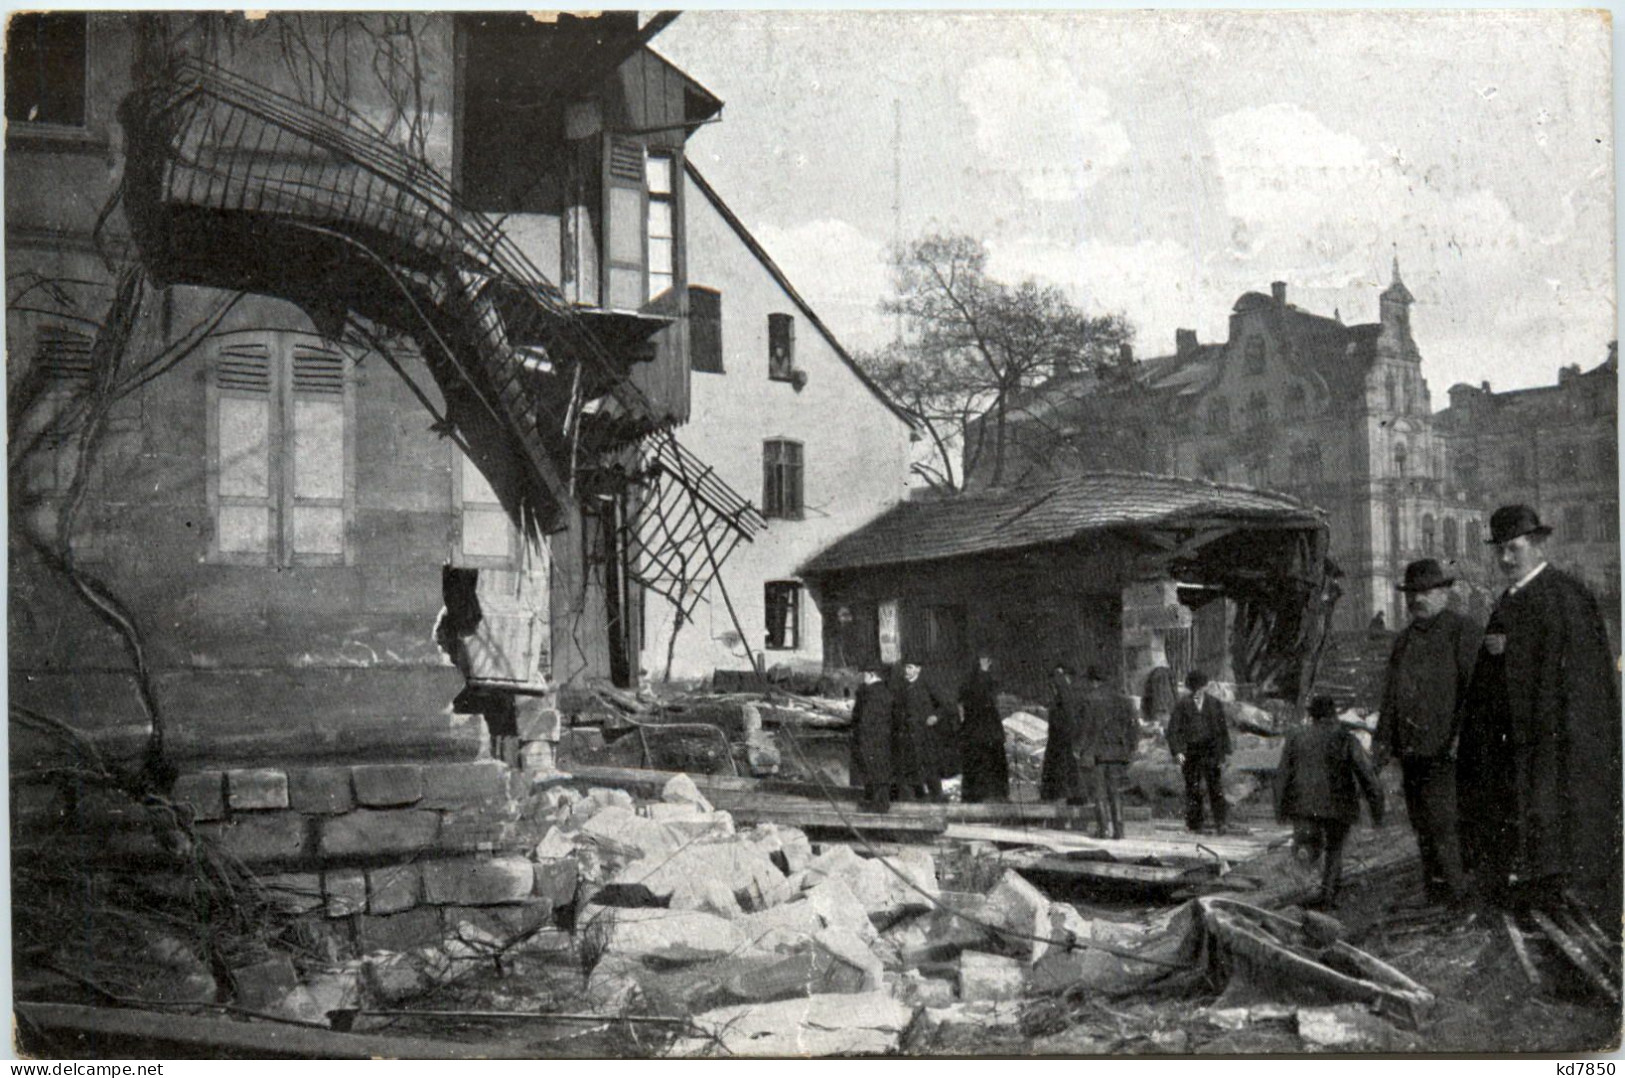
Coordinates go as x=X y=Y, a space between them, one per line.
x=281 y=476
x=1608 y=522
x=1452 y=542
x=1255 y=355
x=486 y=537
x=781 y=347
x=662 y=228
x=1428 y=531
x=45 y=69
x=1475 y=539
x=781 y=480
x=1518 y=466
x=1401 y=454
x=1218 y=416
x=1574 y=524
x=781 y=600
x=1258 y=411
x=1392 y=388
x=640 y=220
x=63 y=365
x=1566 y=465
x=1297 y=402
x=704 y=330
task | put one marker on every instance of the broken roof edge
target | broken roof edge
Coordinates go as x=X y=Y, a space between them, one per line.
x=783 y=281
x=1277 y=511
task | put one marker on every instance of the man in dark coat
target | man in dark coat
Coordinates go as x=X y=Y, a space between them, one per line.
x=917 y=713
x=1322 y=774
x=981 y=737
x=1199 y=739
x=1422 y=703
x=872 y=741
x=1108 y=734
x=1062 y=777
x=1539 y=768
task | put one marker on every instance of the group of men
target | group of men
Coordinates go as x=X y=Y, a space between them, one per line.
x=1507 y=737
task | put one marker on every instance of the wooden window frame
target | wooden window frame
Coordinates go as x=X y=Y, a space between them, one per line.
x=280 y=499
x=781 y=508
x=785 y=372
x=50 y=128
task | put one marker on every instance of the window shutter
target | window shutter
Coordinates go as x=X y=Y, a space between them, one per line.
x=317 y=514
x=242 y=473
x=793 y=494
x=772 y=503
x=624 y=196
x=64 y=354
x=705 y=330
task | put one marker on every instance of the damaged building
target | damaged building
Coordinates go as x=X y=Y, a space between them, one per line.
x=1123 y=572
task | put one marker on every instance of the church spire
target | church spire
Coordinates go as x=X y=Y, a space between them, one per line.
x=1396 y=291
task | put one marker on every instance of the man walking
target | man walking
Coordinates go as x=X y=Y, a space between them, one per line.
x=1199 y=739
x=1109 y=734
x=1423 y=697
x=1321 y=778
x=1540 y=749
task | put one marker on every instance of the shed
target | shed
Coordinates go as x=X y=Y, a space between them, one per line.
x=1121 y=571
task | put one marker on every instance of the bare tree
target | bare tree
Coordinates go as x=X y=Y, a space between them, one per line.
x=972 y=348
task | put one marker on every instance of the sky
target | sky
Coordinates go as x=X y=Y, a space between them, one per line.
x=1161 y=163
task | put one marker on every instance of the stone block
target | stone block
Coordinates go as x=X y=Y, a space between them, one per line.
x=322 y=791
x=501 y=923
x=660 y=934
x=379 y=832
x=345 y=890
x=462 y=785
x=555 y=880
x=387 y=785
x=467 y=881
x=485 y=830
x=204 y=792
x=990 y=977
x=538 y=756
x=393 y=889
x=537 y=721
x=1018 y=906
x=865 y=1024
x=418 y=927
x=294 y=892
x=691 y=874
x=333 y=990
x=259 y=986
x=260 y=838
x=257 y=788
x=395 y=977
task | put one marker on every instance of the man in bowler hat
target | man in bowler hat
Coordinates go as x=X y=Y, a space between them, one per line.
x=1539 y=767
x=1423 y=699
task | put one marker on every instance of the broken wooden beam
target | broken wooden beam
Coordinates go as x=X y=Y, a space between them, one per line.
x=1575 y=954
x=828 y=819
x=107 y=1033
x=1521 y=949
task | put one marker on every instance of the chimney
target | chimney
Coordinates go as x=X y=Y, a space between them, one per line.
x=1185 y=341
x=1278 y=290
x=1125 y=354
x=1485 y=386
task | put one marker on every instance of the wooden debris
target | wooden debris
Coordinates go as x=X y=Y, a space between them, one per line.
x=1575 y=954
x=1522 y=951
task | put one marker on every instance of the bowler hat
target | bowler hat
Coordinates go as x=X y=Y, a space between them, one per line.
x=1425 y=575
x=1511 y=521
x=1322 y=707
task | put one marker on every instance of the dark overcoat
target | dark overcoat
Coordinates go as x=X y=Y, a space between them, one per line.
x=872 y=734
x=916 y=758
x=1062 y=776
x=981 y=739
x=1199 y=732
x=1322 y=775
x=1539 y=765
x=1110 y=731
x=1425 y=693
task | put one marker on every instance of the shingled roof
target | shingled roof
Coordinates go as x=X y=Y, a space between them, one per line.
x=1014 y=518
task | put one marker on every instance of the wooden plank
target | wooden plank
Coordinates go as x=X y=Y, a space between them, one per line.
x=1521 y=950
x=829 y=820
x=104 y=1027
x=1131 y=848
x=1575 y=954
x=1125 y=872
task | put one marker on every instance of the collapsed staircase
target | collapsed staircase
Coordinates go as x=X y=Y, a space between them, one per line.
x=233 y=186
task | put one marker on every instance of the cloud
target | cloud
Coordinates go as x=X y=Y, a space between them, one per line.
x=1039 y=123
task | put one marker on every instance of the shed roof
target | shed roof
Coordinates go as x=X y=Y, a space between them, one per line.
x=1014 y=518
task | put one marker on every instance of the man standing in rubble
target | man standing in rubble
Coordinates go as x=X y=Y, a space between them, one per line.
x=1540 y=747
x=917 y=716
x=1423 y=698
x=872 y=740
x=1199 y=740
x=1062 y=776
x=1109 y=733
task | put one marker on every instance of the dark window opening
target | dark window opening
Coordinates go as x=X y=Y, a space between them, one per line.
x=1428 y=535
x=1255 y=355
x=781 y=601
x=781 y=480
x=781 y=347
x=45 y=69
x=1452 y=545
x=704 y=330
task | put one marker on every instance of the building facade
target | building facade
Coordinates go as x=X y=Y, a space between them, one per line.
x=1337 y=415
x=303 y=403
x=786 y=414
x=1556 y=448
